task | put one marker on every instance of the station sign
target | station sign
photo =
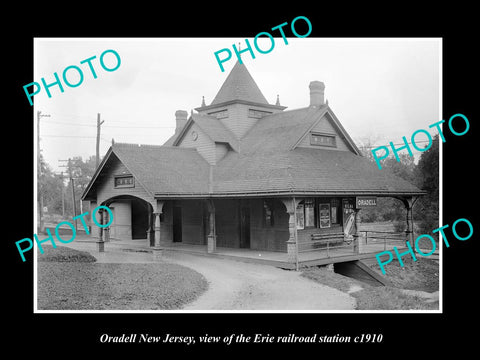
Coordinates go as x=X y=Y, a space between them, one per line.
x=365 y=201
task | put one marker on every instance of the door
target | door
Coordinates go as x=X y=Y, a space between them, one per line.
x=206 y=225
x=177 y=224
x=139 y=219
x=245 y=227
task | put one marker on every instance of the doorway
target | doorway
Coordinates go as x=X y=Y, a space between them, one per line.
x=245 y=227
x=139 y=220
x=177 y=224
x=205 y=225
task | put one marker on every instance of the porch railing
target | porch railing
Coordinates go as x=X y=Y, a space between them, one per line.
x=327 y=244
x=373 y=237
x=363 y=240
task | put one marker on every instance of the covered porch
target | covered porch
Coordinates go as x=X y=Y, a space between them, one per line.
x=272 y=258
x=288 y=232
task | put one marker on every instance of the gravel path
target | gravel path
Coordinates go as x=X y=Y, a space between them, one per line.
x=235 y=285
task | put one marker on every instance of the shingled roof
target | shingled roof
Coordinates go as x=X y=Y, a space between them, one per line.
x=266 y=161
x=214 y=129
x=239 y=85
x=164 y=169
x=305 y=171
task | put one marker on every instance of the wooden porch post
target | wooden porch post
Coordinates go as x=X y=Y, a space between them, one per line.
x=150 y=233
x=356 y=245
x=100 y=242
x=93 y=205
x=212 y=236
x=292 y=243
x=408 y=202
x=157 y=213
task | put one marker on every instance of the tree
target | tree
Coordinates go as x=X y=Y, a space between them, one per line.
x=51 y=186
x=404 y=169
x=388 y=209
x=426 y=210
x=82 y=172
x=366 y=144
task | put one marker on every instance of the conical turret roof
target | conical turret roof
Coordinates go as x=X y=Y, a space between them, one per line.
x=239 y=85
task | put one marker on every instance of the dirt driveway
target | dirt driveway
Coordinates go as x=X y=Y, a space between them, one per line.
x=234 y=285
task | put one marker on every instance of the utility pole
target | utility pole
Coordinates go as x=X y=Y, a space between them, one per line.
x=63 y=196
x=39 y=167
x=73 y=195
x=99 y=123
x=72 y=183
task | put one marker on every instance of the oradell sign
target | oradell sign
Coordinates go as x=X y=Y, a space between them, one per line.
x=365 y=201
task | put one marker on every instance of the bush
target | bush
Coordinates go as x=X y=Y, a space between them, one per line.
x=366 y=215
x=64 y=254
x=399 y=226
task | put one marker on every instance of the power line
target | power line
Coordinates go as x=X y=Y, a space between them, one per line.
x=78 y=137
x=141 y=127
x=60 y=115
x=112 y=126
x=64 y=123
x=70 y=136
x=374 y=146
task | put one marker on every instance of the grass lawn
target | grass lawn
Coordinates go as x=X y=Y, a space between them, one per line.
x=70 y=280
x=421 y=275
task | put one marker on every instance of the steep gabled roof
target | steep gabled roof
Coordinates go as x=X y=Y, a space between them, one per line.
x=279 y=131
x=266 y=161
x=162 y=169
x=340 y=130
x=213 y=127
x=284 y=130
x=239 y=85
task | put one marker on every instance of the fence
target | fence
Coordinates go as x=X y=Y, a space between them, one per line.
x=328 y=242
x=385 y=237
x=370 y=241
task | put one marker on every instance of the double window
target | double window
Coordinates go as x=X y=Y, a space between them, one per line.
x=124 y=181
x=257 y=114
x=222 y=114
x=320 y=139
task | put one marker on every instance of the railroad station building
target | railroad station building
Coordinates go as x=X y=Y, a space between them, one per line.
x=244 y=173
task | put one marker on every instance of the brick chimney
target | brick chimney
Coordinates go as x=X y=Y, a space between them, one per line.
x=181 y=117
x=317 y=89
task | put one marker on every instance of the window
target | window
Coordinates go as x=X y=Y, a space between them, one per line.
x=300 y=215
x=324 y=211
x=124 y=181
x=267 y=214
x=309 y=213
x=334 y=211
x=219 y=114
x=322 y=140
x=257 y=114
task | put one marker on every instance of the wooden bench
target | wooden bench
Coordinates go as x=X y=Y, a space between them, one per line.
x=321 y=240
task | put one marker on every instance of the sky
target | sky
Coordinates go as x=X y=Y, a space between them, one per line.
x=379 y=88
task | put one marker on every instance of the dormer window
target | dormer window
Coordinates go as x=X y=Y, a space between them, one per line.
x=220 y=114
x=323 y=140
x=257 y=114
